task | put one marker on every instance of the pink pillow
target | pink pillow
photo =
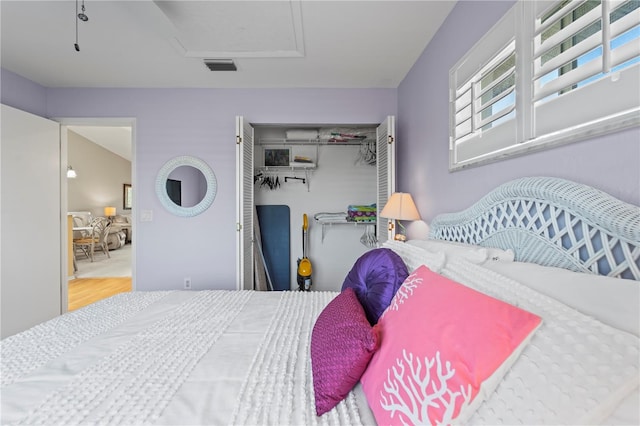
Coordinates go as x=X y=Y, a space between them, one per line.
x=342 y=343
x=444 y=348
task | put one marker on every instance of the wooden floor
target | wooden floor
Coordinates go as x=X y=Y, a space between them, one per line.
x=85 y=291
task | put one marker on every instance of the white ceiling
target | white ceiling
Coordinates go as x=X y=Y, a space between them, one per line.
x=285 y=43
x=162 y=44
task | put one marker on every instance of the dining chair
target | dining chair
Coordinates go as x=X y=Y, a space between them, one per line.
x=79 y=236
x=97 y=240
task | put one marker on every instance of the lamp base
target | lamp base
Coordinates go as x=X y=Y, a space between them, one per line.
x=400 y=237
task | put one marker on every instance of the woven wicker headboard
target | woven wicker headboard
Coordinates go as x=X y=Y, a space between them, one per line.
x=552 y=222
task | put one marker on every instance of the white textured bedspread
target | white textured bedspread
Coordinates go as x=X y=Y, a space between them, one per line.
x=209 y=357
x=575 y=369
x=242 y=358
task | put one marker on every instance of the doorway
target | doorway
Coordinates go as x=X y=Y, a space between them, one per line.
x=101 y=152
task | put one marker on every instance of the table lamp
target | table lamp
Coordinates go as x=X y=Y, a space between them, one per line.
x=400 y=207
x=110 y=212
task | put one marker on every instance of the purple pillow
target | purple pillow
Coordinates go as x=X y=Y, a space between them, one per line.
x=342 y=343
x=375 y=277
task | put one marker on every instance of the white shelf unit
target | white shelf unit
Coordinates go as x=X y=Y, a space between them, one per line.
x=312 y=144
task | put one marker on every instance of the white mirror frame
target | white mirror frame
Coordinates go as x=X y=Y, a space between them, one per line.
x=161 y=186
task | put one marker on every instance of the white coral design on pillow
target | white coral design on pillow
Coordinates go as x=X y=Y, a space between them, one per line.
x=404 y=292
x=409 y=394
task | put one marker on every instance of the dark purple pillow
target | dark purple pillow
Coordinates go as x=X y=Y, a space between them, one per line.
x=375 y=277
x=342 y=343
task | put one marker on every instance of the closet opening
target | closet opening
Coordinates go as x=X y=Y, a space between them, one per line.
x=289 y=170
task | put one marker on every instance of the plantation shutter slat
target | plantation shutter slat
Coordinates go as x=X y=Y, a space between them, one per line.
x=574 y=76
x=567 y=56
x=573 y=28
x=625 y=53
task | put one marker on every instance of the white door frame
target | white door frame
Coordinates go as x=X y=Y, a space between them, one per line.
x=65 y=122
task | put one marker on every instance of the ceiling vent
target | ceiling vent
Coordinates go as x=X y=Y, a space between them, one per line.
x=220 y=64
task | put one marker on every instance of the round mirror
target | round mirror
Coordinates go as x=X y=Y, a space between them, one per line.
x=186 y=186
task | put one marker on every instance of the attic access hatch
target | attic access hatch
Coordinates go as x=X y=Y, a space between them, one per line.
x=236 y=29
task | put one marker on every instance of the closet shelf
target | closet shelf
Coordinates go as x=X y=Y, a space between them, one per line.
x=282 y=141
x=286 y=168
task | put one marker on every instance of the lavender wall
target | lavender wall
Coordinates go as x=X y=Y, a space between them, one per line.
x=201 y=123
x=23 y=94
x=610 y=163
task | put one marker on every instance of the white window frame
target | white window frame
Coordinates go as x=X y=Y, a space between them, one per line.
x=536 y=125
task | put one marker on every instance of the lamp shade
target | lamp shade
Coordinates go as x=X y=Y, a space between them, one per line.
x=109 y=211
x=401 y=207
x=71 y=173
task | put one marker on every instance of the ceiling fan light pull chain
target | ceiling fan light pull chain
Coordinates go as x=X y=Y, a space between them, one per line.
x=76 y=45
x=79 y=17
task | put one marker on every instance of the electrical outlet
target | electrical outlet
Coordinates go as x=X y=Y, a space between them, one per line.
x=146 y=216
x=187 y=283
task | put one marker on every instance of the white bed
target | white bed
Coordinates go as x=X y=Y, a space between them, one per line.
x=225 y=357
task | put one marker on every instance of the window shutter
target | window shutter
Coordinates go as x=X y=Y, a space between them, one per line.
x=624 y=32
x=549 y=72
x=561 y=37
x=483 y=103
x=494 y=94
x=583 y=64
x=483 y=94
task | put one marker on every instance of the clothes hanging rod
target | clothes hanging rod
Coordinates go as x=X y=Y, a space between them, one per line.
x=286 y=179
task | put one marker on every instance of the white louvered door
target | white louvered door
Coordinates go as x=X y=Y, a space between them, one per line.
x=245 y=207
x=386 y=166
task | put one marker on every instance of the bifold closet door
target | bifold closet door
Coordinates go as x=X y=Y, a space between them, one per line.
x=245 y=204
x=386 y=167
